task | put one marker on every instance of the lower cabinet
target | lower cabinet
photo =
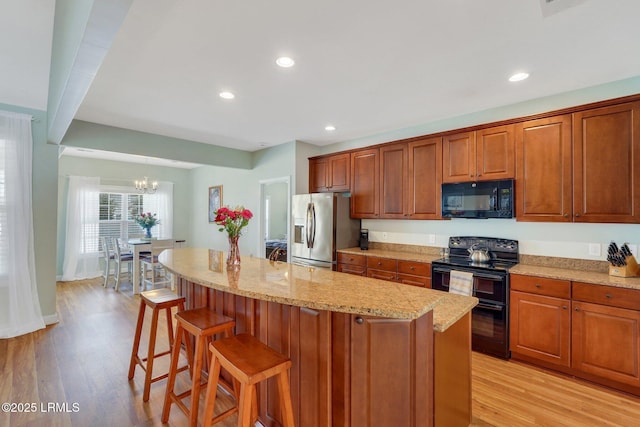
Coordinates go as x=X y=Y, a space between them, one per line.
x=540 y=319
x=414 y=273
x=352 y=264
x=590 y=331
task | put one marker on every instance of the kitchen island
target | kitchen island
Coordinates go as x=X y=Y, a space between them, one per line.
x=362 y=349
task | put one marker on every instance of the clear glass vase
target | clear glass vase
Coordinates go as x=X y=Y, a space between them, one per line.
x=233 y=256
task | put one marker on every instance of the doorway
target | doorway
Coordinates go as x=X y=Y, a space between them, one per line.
x=275 y=205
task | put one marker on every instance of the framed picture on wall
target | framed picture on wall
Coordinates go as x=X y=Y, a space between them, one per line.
x=215 y=201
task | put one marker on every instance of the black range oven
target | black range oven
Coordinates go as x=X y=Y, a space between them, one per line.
x=490 y=318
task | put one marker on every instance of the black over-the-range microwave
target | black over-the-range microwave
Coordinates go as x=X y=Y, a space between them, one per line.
x=483 y=199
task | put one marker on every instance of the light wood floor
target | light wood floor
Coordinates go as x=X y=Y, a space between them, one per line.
x=84 y=360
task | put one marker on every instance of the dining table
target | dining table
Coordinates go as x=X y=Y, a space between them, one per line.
x=139 y=247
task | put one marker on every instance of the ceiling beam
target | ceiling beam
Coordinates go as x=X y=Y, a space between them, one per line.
x=83 y=34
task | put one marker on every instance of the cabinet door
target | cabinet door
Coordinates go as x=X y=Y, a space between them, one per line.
x=495 y=153
x=459 y=157
x=605 y=342
x=543 y=170
x=606 y=155
x=393 y=181
x=318 y=176
x=339 y=172
x=541 y=327
x=365 y=194
x=391 y=371
x=425 y=179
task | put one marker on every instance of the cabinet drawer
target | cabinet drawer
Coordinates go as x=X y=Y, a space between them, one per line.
x=541 y=285
x=386 y=264
x=358 y=270
x=607 y=295
x=381 y=274
x=352 y=259
x=415 y=268
x=408 y=279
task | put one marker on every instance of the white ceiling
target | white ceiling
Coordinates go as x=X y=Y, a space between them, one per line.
x=365 y=66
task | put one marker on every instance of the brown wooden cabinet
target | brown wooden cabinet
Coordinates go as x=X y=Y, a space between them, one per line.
x=382 y=268
x=543 y=165
x=590 y=331
x=423 y=196
x=394 y=179
x=540 y=317
x=606 y=164
x=365 y=181
x=377 y=372
x=352 y=264
x=414 y=273
x=330 y=173
x=481 y=155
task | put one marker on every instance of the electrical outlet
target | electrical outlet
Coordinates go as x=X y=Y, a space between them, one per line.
x=432 y=238
x=594 y=249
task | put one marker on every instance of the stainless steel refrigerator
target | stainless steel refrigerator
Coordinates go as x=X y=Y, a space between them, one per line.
x=321 y=226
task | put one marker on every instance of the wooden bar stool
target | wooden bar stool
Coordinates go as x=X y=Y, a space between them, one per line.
x=249 y=361
x=157 y=300
x=203 y=324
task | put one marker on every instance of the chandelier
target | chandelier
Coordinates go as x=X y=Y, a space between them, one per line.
x=146 y=186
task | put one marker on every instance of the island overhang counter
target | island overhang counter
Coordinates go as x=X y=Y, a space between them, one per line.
x=362 y=349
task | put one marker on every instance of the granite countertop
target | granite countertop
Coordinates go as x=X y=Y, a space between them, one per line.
x=593 y=277
x=387 y=253
x=313 y=288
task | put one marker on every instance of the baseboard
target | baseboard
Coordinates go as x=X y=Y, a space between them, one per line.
x=51 y=319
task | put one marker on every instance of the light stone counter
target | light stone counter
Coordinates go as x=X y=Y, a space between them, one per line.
x=452 y=309
x=305 y=287
x=592 y=277
x=386 y=253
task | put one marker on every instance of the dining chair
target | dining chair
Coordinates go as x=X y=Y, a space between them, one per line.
x=122 y=257
x=108 y=256
x=158 y=275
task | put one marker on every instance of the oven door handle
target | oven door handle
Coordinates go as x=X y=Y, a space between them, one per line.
x=475 y=273
x=491 y=307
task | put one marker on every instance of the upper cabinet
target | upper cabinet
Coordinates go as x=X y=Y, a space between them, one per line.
x=481 y=155
x=330 y=173
x=425 y=178
x=606 y=164
x=408 y=178
x=543 y=164
x=581 y=167
x=394 y=174
x=365 y=181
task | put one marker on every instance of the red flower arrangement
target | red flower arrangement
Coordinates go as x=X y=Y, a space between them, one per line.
x=233 y=221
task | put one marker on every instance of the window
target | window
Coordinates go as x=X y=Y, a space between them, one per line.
x=118 y=211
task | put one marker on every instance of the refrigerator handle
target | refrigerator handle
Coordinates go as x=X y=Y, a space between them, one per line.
x=313 y=222
x=308 y=226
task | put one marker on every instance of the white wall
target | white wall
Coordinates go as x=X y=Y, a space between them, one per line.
x=545 y=239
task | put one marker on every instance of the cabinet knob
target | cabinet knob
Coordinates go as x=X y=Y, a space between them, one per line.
x=577 y=309
x=470 y=175
x=566 y=215
x=479 y=174
x=412 y=268
x=564 y=307
x=359 y=320
x=577 y=215
x=379 y=263
x=537 y=285
x=607 y=295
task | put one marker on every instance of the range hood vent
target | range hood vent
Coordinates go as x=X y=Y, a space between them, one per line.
x=551 y=7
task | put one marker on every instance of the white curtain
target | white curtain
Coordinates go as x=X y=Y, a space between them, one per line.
x=19 y=305
x=81 y=249
x=163 y=207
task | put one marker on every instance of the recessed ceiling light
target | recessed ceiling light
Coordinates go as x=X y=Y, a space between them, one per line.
x=285 y=62
x=518 y=77
x=330 y=128
x=227 y=95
